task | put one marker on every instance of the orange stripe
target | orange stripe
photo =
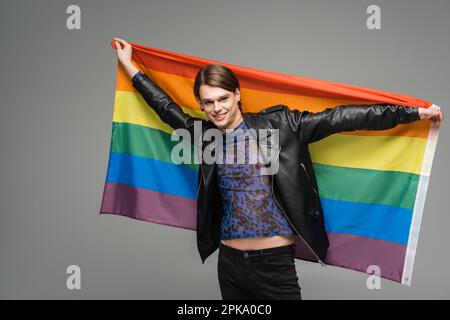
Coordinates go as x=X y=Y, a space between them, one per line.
x=180 y=90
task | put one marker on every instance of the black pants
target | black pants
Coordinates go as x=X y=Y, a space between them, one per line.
x=267 y=274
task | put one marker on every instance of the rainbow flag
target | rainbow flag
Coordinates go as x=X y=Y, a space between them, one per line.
x=372 y=184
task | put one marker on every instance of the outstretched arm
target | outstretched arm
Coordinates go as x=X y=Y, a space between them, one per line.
x=313 y=126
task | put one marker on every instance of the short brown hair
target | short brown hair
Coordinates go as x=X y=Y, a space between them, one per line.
x=216 y=75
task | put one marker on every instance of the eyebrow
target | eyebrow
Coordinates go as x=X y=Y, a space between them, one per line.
x=208 y=100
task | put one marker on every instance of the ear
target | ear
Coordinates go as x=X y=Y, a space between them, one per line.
x=238 y=93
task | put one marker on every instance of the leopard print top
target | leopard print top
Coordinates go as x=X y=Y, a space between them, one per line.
x=249 y=208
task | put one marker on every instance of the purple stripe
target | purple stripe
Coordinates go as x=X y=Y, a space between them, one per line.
x=148 y=205
x=358 y=253
x=345 y=250
x=302 y=251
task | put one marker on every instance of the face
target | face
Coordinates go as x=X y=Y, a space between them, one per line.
x=221 y=106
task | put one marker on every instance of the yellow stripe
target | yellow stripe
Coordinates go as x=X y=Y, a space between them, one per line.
x=131 y=107
x=370 y=152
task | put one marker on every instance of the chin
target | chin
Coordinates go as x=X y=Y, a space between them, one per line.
x=221 y=124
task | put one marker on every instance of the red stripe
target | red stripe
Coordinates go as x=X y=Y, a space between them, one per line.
x=256 y=79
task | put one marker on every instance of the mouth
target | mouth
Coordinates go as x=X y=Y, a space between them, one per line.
x=220 y=116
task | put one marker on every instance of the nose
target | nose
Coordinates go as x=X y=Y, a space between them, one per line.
x=217 y=106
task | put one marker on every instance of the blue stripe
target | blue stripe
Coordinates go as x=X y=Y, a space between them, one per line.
x=376 y=221
x=152 y=174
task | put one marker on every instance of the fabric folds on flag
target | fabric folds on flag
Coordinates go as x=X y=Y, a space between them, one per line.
x=372 y=184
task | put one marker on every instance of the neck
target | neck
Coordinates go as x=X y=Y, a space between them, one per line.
x=238 y=119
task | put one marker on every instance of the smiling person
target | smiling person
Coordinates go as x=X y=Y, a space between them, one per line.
x=239 y=210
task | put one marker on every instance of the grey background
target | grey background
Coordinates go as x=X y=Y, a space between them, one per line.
x=57 y=94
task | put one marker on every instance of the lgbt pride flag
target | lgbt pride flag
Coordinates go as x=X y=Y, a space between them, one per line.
x=372 y=184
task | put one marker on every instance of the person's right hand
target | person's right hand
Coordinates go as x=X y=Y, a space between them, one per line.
x=123 y=50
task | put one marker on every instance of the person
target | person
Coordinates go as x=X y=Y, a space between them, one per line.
x=253 y=218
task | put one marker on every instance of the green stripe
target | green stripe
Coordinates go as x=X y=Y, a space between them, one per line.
x=146 y=142
x=337 y=183
x=366 y=185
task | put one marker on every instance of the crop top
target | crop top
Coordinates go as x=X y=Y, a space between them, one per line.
x=249 y=208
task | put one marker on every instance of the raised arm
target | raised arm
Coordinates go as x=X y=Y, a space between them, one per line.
x=169 y=111
x=313 y=126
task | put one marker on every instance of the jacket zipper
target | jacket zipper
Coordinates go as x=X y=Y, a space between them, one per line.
x=200 y=164
x=304 y=168
x=201 y=179
x=287 y=218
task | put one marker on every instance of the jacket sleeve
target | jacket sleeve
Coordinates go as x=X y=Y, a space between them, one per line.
x=313 y=126
x=169 y=111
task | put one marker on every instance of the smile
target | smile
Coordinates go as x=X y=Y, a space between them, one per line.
x=220 y=116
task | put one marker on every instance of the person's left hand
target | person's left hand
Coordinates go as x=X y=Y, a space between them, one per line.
x=433 y=113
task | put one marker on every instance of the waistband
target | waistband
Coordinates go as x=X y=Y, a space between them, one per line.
x=281 y=249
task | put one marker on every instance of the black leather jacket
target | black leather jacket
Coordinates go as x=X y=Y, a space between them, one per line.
x=294 y=186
